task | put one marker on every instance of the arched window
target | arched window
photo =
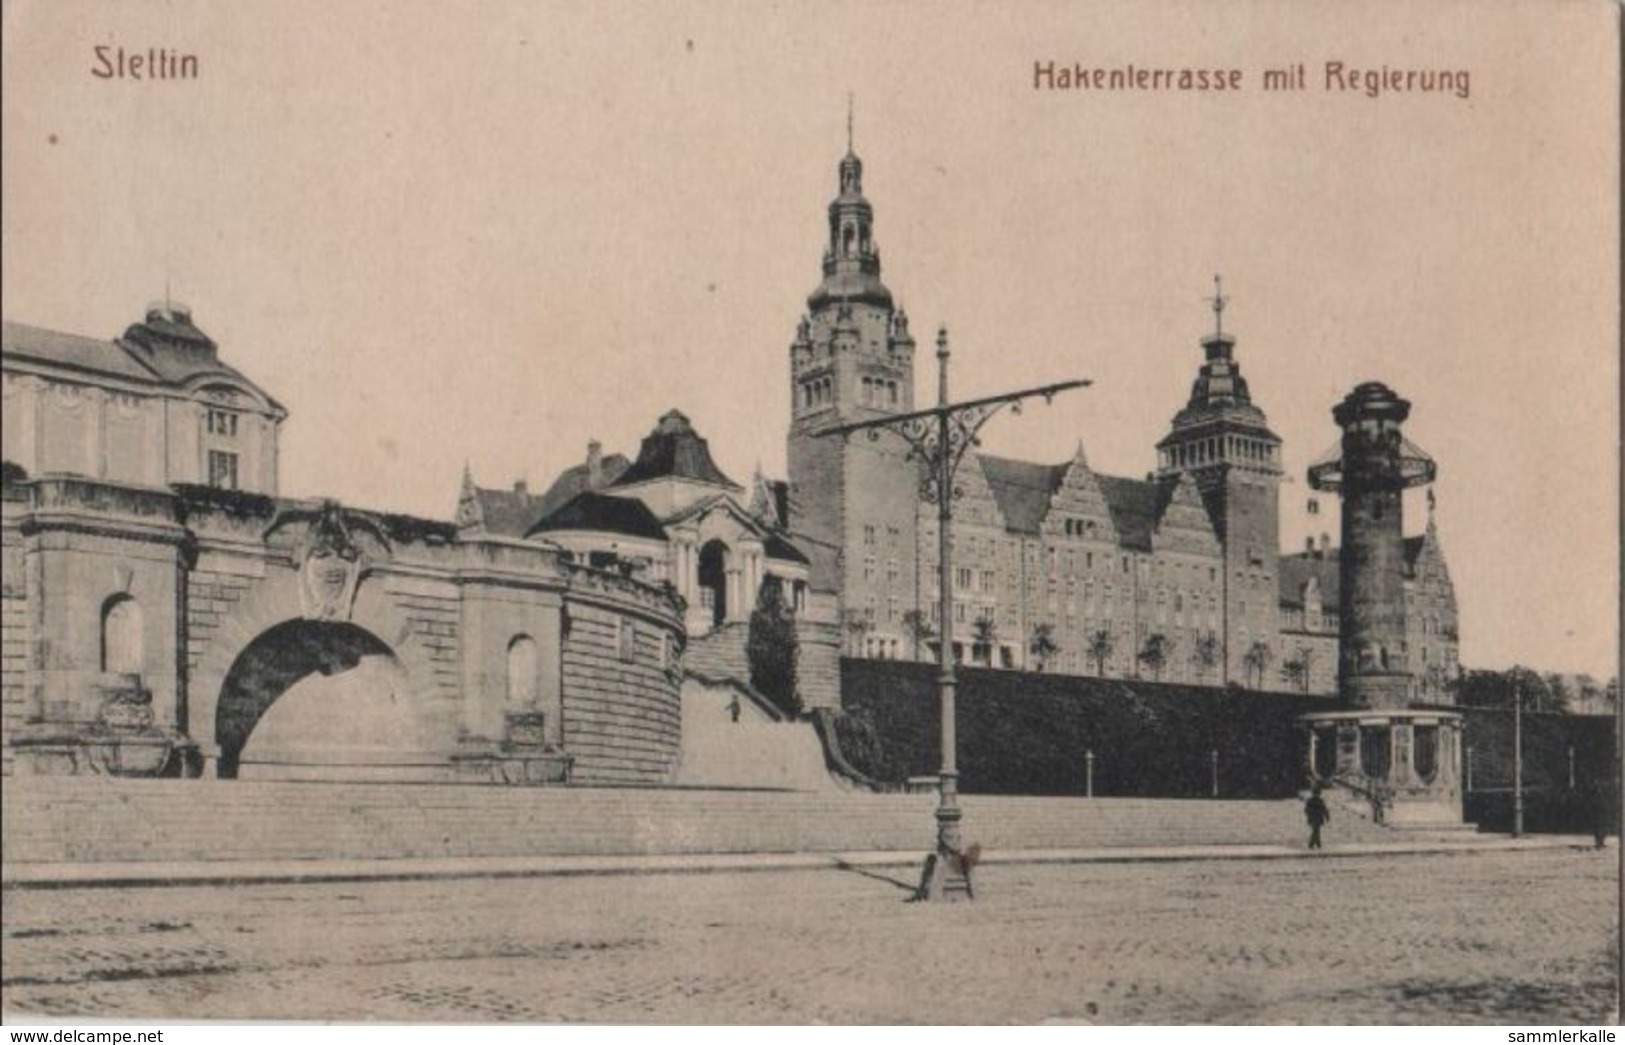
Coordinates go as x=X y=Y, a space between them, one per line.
x=522 y=671
x=121 y=636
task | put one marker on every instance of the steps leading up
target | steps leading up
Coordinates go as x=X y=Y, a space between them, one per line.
x=750 y=751
x=720 y=654
x=88 y=819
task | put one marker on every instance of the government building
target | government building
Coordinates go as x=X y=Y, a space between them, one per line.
x=167 y=610
x=1176 y=576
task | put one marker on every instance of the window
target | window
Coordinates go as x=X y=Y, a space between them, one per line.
x=223 y=469
x=868 y=535
x=221 y=422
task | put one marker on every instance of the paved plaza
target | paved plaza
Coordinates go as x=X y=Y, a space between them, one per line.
x=1485 y=937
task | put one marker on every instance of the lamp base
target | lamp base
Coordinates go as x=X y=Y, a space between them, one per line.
x=947 y=875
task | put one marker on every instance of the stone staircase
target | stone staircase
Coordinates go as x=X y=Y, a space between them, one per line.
x=753 y=750
x=720 y=654
x=1349 y=807
x=53 y=819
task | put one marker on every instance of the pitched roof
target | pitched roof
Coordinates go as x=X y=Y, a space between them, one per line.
x=508 y=513
x=1136 y=506
x=573 y=480
x=602 y=513
x=165 y=350
x=93 y=356
x=777 y=547
x=674 y=451
x=1022 y=489
x=1295 y=571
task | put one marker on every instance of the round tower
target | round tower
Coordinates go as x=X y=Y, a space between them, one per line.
x=1374 y=468
x=1403 y=759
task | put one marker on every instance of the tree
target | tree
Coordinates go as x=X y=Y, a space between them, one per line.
x=1154 y=654
x=1501 y=689
x=1588 y=694
x=858 y=626
x=1042 y=644
x=771 y=649
x=919 y=630
x=984 y=632
x=1205 y=654
x=1256 y=660
x=1099 y=650
x=1296 y=673
x=1558 y=687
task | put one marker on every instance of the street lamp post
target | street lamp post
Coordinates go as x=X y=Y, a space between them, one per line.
x=939 y=437
x=1089 y=773
x=1517 y=761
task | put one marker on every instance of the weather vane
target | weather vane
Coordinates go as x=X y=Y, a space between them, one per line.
x=1219 y=301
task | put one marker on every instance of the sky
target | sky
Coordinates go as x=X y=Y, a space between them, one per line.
x=485 y=233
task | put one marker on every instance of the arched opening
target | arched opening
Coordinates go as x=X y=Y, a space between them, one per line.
x=312 y=699
x=1325 y=753
x=1427 y=753
x=713 y=579
x=1374 y=752
x=521 y=672
x=121 y=636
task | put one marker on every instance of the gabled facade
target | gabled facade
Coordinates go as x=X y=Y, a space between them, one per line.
x=670 y=517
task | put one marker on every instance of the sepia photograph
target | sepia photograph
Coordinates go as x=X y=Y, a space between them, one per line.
x=726 y=513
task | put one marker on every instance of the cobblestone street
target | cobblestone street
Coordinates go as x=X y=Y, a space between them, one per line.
x=1472 y=937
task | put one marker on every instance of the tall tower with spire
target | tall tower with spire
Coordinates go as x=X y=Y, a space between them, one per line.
x=1222 y=440
x=853 y=502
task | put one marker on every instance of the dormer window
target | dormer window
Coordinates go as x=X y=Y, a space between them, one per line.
x=221 y=422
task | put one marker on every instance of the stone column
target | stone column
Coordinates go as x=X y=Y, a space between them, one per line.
x=750 y=554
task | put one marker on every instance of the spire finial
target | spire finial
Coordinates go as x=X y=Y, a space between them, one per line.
x=1219 y=301
x=849 y=107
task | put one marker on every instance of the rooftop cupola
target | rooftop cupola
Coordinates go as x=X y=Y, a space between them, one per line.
x=852 y=258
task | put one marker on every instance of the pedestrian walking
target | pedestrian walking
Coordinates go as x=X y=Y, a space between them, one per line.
x=1379 y=803
x=1601 y=801
x=1317 y=814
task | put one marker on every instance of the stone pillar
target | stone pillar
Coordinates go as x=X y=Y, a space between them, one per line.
x=750 y=554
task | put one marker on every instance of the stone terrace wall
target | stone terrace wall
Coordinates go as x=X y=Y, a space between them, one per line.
x=1026 y=733
x=95 y=819
x=622 y=681
x=15 y=629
